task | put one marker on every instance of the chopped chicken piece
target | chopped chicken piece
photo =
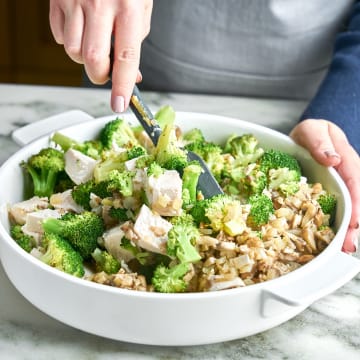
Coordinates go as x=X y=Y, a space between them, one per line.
x=112 y=242
x=19 y=210
x=130 y=165
x=243 y=263
x=64 y=201
x=116 y=148
x=152 y=231
x=35 y=252
x=164 y=193
x=34 y=220
x=139 y=179
x=227 y=284
x=325 y=235
x=95 y=203
x=78 y=166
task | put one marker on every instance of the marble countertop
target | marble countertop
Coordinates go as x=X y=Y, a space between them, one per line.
x=328 y=329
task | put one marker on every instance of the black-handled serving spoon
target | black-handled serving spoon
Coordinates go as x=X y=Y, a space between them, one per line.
x=207 y=183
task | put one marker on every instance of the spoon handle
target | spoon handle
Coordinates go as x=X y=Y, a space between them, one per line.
x=144 y=115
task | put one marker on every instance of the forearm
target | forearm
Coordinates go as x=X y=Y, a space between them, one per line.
x=338 y=98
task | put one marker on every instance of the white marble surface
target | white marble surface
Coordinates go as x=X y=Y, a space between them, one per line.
x=329 y=329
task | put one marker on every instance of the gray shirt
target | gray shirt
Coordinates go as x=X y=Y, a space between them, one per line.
x=272 y=48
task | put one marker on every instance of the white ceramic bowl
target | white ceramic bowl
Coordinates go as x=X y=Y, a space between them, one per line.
x=172 y=319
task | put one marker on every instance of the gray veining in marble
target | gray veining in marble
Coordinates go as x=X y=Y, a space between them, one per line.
x=329 y=329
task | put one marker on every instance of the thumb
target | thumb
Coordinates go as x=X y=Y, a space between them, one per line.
x=315 y=136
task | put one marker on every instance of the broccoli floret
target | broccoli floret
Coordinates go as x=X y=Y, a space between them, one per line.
x=181 y=239
x=63 y=183
x=260 y=211
x=327 y=203
x=81 y=193
x=167 y=152
x=198 y=212
x=285 y=180
x=194 y=135
x=221 y=212
x=231 y=188
x=143 y=262
x=144 y=258
x=227 y=147
x=111 y=161
x=81 y=230
x=171 y=280
x=144 y=161
x=135 y=152
x=154 y=169
x=190 y=180
x=119 y=214
x=61 y=255
x=245 y=149
x=276 y=159
x=212 y=155
x=251 y=180
x=283 y=171
x=165 y=115
x=44 y=168
x=105 y=262
x=121 y=182
x=92 y=148
x=26 y=242
x=118 y=132
x=129 y=246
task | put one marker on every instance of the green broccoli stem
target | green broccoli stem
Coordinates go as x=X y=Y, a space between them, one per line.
x=186 y=252
x=48 y=256
x=44 y=183
x=165 y=115
x=54 y=226
x=105 y=261
x=64 y=141
x=190 y=180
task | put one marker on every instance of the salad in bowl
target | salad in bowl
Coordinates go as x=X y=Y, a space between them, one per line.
x=119 y=211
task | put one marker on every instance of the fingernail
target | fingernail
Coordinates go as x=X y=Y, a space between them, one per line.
x=118 y=104
x=139 y=77
x=356 y=243
x=356 y=226
x=331 y=153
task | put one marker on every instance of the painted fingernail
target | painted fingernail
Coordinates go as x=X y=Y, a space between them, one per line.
x=331 y=153
x=118 y=104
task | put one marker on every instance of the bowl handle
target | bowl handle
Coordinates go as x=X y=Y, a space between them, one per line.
x=303 y=291
x=28 y=133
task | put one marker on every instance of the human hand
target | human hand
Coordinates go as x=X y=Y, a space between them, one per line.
x=328 y=145
x=86 y=27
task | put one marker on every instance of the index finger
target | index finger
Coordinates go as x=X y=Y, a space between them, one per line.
x=127 y=43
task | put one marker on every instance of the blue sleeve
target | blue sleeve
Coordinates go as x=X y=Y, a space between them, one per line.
x=338 y=98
